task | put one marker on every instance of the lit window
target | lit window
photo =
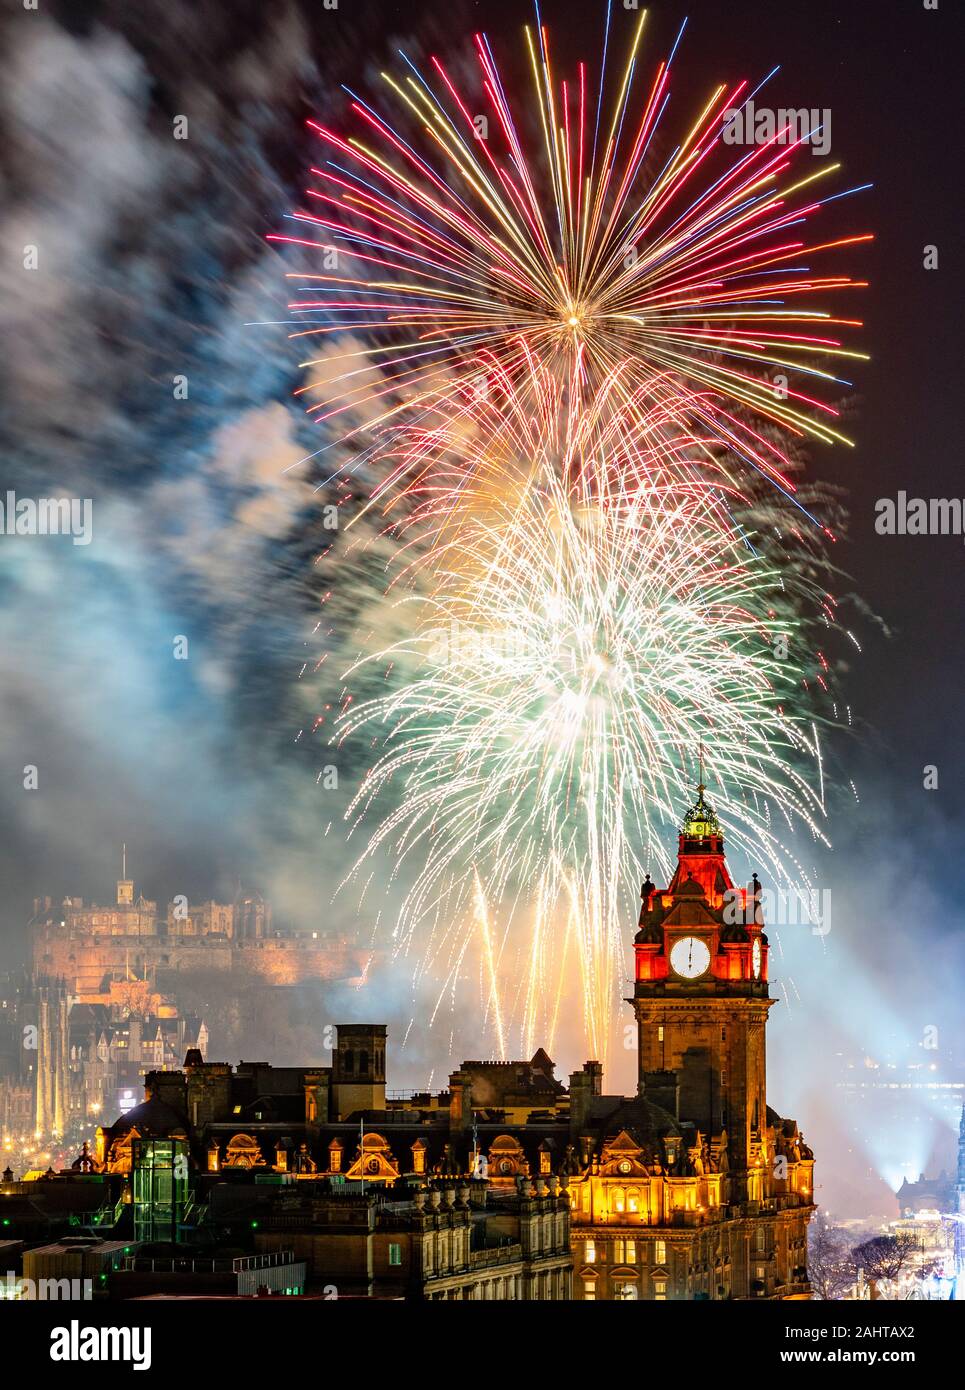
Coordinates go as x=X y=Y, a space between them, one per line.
x=395 y=1254
x=660 y=1252
x=618 y=1249
x=619 y=1199
x=631 y=1255
x=660 y=1290
x=590 y=1254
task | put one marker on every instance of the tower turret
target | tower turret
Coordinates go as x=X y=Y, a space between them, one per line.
x=701 y=996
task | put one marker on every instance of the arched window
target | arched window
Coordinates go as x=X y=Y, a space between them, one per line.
x=363 y=1063
x=348 y=1061
x=633 y=1199
x=619 y=1199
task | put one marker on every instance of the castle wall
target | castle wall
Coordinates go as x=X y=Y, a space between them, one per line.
x=292 y=961
x=84 y=960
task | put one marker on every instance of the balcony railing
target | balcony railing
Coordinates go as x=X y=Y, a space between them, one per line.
x=495 y=1255
x=183 y=1265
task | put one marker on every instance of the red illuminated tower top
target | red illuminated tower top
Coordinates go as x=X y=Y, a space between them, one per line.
x=700 y=851
x=701 y=935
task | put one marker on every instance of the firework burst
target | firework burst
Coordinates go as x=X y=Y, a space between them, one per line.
x=578 y=371
x=574 y=643
x=454 y=242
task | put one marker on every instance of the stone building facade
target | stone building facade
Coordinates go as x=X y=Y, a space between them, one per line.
x=453 y=1241
x=692 y=1189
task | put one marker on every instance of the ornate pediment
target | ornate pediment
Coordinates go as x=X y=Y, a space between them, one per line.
x=690 y=912
x=622 y=1157
x=506 y=1158
x=119 y=1158
x=244 y=1152
x=374 y=1161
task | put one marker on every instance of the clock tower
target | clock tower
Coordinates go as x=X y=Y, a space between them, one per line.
x=701 y=999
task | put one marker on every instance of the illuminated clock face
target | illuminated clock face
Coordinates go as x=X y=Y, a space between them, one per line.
x=690 y=957
x=756 y=957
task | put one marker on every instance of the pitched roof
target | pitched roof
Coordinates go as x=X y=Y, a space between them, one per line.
x=152 y=1117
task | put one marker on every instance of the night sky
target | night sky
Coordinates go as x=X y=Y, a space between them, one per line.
x=154 y=263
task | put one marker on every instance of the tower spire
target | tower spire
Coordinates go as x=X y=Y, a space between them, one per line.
x=700 y=820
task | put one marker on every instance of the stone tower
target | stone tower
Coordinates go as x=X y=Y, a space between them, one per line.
x=358 y=1068
x=52 y=1090
x=701 y=999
